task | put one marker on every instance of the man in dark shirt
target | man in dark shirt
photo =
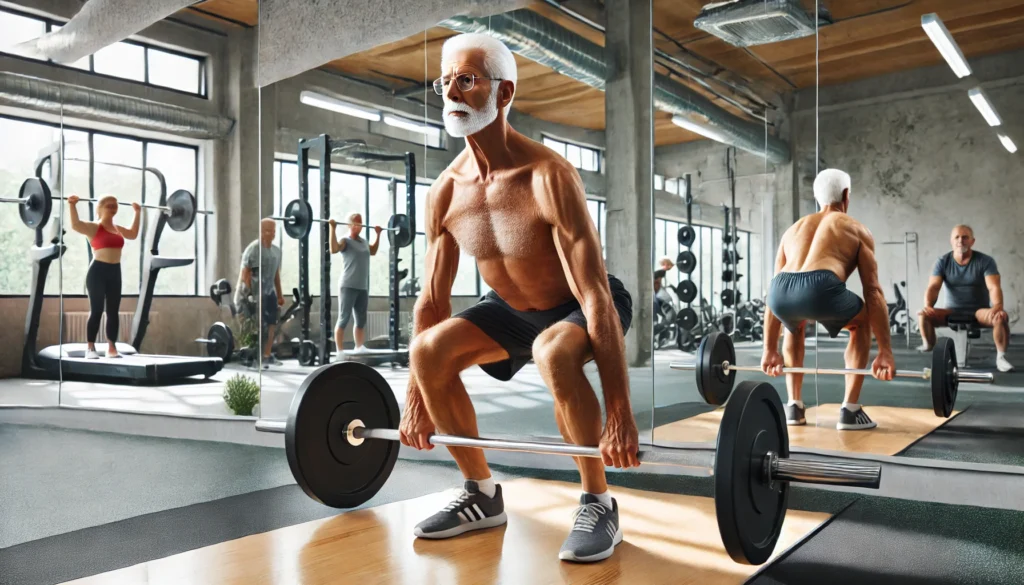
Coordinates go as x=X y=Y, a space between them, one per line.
x=972 y=287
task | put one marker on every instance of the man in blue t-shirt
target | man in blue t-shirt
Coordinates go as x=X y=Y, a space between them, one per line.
x=972 y=287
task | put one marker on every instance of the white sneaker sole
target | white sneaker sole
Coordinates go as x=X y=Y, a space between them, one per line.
x=796 y=423
x=568 y=555
x=462 y=528
x=856 y=427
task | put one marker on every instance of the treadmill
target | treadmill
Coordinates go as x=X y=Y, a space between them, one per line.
x=68 y=361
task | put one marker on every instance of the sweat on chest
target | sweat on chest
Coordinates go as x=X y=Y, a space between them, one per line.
x=497 y=223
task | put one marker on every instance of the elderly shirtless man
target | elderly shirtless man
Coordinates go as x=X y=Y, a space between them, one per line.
x=816 y=256
x=520 y=209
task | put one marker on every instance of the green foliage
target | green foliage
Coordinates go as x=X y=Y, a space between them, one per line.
x=248 y=333
x=241 y=394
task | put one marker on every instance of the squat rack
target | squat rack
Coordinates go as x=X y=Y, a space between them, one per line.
x=908 y=238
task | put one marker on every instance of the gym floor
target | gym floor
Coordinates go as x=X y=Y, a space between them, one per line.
x=87 y=503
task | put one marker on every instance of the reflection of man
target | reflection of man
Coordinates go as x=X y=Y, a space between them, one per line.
x=660 y=295
x=973 y=287
x=354 y=284
x=520 y=209
x=264 y=257
x=816 y=256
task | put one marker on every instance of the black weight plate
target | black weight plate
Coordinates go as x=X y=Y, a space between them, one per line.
x=727 y=324
x=750 y=512
x=326 y=466
x=301 y=219
x=223 y=342
x=36 y=203
x=728 y=275
x=713 y=384
x=944 y=382
x=307 y=353
x=404 y=236
x=686 y=319
x=182 y=214
x=730 y=257
x=686 y=262
x=687 y=291
x=730 y=297
x=686 y=236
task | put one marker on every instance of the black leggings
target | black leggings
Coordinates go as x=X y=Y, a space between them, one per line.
x=103 y=281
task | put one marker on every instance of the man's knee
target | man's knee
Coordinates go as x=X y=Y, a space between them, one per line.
x=561 y=351
x=434 y=352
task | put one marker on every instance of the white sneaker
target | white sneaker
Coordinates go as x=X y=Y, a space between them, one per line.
x=361 y=349
x=1002 y=364
x=923 y=348
x=92 y=355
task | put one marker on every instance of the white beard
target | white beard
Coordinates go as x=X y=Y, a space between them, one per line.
x=473 y=122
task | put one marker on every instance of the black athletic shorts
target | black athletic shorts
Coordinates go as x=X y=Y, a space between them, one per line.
x=817 y=295
x=515 y=330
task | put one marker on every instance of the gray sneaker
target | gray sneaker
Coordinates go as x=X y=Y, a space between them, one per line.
x=795 y=414
x=595 y=531
x=470 y=510
x=854 y=421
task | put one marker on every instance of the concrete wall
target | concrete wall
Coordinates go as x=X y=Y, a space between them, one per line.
x=923 y=159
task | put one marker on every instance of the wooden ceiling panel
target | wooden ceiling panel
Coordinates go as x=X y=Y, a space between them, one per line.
x=867 y=38
x=245 y=12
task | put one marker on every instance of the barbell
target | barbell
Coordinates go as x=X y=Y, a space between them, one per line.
x=341 y=440
x=35 y=203
x=716 y=372
x=298 y=221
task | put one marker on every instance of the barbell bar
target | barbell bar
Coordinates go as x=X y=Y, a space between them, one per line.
x=318 y=220
x=715 y=367
x=341 y=440
x=298 y=220
x=35 y=205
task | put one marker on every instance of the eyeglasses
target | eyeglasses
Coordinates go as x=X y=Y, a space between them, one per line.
x=465 y=81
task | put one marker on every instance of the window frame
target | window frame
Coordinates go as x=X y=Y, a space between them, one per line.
x=202 y=60
x=585 y=149
x=200 y=246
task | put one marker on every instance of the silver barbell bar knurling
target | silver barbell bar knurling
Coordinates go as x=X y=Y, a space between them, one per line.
x=925 y=374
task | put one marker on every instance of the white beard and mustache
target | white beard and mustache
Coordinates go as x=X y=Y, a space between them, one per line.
x=474 y=120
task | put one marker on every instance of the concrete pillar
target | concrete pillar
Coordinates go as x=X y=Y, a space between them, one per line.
x=629 y=158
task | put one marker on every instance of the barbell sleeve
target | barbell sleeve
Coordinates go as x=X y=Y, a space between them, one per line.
x=776 y=468
x=866 y=475
x=975 y=377
x=271 y=426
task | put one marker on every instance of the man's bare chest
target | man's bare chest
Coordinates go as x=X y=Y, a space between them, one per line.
x=497 y=221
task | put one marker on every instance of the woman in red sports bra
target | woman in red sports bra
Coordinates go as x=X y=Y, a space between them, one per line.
x=103 y=281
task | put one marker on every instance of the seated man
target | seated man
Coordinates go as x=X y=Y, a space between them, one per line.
x=816 y=256
x=520 y=209
x=973 y=287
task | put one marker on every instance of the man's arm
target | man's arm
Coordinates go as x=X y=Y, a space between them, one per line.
x=564 y=203
x=995 y=291
x=772 y=325
x=245 y=272
x=874 y=298
x=931 y=292
x=375 y=244
x=336 y=246
x=277 y=284
x=440 y=267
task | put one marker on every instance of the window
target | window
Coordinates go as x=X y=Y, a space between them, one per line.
x=85 y=175
x=131 y=60
x=370 y=197
x=579 y=156
x=659 y=182
x=672 y=186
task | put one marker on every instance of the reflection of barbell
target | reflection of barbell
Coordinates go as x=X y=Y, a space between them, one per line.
x=298 y=221
x=341 y=440
x=716 y=372
x=35 y=202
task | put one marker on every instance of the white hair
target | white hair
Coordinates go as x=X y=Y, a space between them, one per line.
x=829 y=186
x=498 y=60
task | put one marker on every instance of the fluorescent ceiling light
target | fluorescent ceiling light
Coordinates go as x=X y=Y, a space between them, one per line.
x=984 y=106
x=1007 y=143
x=697 y=128
x=939 y=34
x=426 y=129
x=317 y=100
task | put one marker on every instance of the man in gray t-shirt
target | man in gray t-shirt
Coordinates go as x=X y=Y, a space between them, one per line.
x=354 y=284
x=973 y=287
x=263 y=258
